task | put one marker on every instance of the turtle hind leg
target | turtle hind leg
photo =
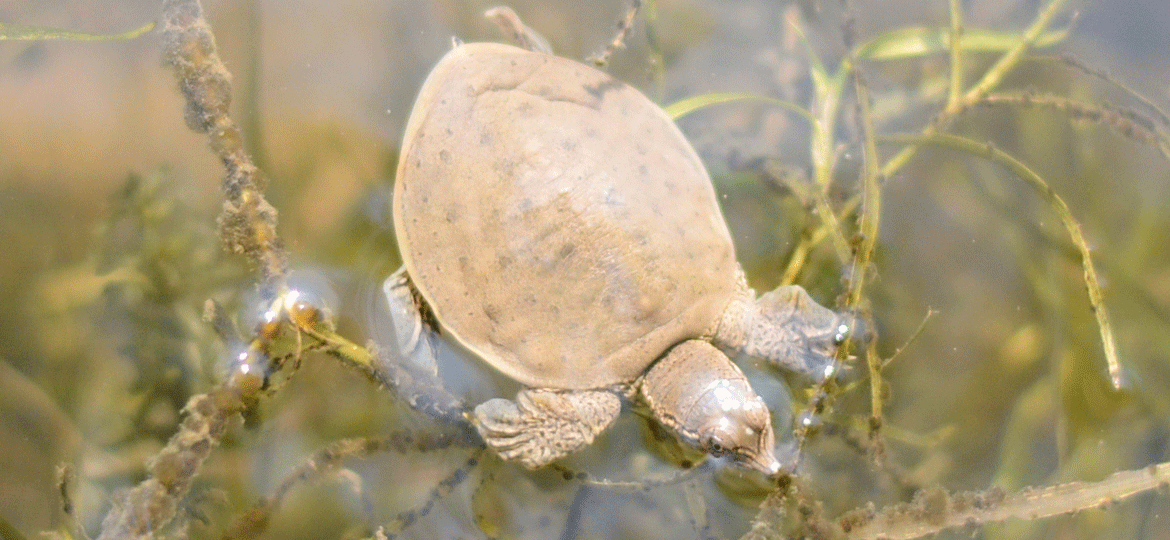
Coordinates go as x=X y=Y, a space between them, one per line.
x=785 y=327
x=544 y=425
x=413 y=327
x=409 y=364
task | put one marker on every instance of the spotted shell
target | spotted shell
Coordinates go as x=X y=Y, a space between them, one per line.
x=555 y=220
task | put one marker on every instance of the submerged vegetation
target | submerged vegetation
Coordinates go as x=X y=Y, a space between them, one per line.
x=993 y=210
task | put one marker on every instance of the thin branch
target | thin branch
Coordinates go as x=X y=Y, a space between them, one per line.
x=247 y=224
x=991 y=78
x=1092 y=282
x=935 y=510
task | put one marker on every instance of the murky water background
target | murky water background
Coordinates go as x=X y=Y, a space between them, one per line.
x=108 y=204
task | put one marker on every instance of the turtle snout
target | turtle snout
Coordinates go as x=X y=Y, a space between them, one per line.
x=763 y=461
x=745 y=435
x=761 y=456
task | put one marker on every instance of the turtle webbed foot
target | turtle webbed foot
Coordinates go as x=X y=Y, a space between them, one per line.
x=416 y=340
x=790 y=329
x=542 y=426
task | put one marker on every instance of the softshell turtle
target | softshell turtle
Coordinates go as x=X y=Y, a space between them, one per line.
x=556 y=223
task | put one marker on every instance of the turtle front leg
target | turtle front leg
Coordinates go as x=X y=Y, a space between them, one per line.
x=544 y=425
x=785 y=327
x=415 y=337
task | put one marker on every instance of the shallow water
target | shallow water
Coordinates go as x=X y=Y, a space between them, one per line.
x=108 y=205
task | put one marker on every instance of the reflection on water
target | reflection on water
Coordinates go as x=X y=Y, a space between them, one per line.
x=108 y=202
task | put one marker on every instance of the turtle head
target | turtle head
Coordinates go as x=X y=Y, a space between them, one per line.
x=732 y=421
x=700 y=394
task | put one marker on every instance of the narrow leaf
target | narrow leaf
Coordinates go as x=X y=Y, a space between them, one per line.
x=1042 y=188
x=689 y=105
x=33 y=33
x=920 y=41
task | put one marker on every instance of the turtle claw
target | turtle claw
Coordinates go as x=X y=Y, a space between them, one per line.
x=789 y=328
x=542 y=426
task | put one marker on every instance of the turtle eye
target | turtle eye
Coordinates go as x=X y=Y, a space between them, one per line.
x=715 y=446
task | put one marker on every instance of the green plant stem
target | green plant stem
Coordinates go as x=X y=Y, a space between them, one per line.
x=991 y=78
x=1092 y=283
x=956 y=85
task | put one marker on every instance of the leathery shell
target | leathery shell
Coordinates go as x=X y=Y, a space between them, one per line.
x=556 y=220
